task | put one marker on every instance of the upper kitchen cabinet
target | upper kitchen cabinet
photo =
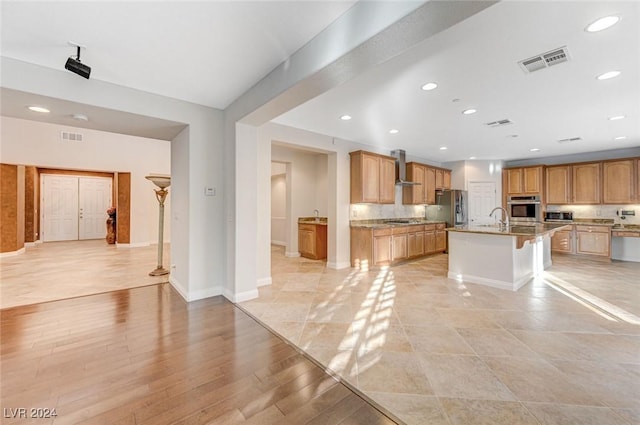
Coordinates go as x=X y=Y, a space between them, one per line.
x=373 y=178
x=523 y=180
x=558 y=184
x=618 y=182
x=585 y=183
x=443 y=179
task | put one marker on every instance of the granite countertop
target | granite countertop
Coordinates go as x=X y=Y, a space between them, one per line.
x=313 y=220
x=538 y=229
x=622 y=226
x=392 y=222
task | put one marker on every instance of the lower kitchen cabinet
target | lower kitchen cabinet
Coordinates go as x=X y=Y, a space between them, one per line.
x=593 y=240
x=389 y=245
x=312 y=241
x=562 y=241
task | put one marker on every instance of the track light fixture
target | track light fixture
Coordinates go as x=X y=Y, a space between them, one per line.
x=77 y=67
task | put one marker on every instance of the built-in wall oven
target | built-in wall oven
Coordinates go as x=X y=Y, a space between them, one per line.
x=525 y=208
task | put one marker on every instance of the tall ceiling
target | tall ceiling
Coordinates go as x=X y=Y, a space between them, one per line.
x=210 y=52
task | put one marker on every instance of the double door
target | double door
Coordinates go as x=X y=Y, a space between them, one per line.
x=74 y=208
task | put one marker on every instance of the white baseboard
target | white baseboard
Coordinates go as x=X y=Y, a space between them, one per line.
x=241 y=296
x=30 y=244
x=195 y=295
x=264 y=281
x=339 y=265
x=279 y=243
x=12 y=253
x=132 y=245
x=292 y=254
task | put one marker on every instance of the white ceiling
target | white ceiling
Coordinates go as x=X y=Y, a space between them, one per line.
x=476 y=62
x=210 y=52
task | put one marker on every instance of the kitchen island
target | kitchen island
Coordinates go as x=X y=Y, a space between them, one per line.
x=501 y=257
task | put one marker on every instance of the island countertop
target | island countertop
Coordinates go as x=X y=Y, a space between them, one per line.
x=528 y=230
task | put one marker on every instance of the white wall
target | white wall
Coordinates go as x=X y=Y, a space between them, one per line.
x=39 y=144
x=199 y=163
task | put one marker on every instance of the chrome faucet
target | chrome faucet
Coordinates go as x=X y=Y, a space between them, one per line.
x=316 y=213
x=505 y=215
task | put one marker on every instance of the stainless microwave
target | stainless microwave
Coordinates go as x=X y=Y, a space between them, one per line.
x=525 y=208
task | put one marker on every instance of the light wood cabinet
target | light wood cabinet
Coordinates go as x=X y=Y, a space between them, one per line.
x=382 y=248
x=593 y=240
x=618 y=182
x=523 y=180
x=558 y=185
x=585 y=183
x=312 y=241
x=443 y=179
x=441 y=238
x=430 y=239
x=430 y=179
x=562 y=241
x=372 y=178
x=399 y=243
x=415 y=244
x=416 y=194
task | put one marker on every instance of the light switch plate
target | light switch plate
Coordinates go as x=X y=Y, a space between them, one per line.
x=210 y=191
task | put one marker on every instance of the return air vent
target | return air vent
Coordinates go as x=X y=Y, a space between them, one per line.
x=545 y=60
x=70 y=137
x=572 y=139
x=499 y=123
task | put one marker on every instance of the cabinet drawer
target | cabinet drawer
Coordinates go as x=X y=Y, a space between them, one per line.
x=414 y=229
x=309 y=227
x=429 y=227
x=592 y=229
x=626 y=233
x=400 y=230
x=382 y=232
x=441 y=226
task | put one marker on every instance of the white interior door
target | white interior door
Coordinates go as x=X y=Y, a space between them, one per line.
x=94 y=197
x=59 y=208
x=482 y=199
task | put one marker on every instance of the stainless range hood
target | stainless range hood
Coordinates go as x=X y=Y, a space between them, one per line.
x=401 y=168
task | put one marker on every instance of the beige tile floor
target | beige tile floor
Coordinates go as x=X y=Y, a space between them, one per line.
x=58 y=270
x=564 y=349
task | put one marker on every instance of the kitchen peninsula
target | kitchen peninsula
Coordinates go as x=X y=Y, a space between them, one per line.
x=501 y=257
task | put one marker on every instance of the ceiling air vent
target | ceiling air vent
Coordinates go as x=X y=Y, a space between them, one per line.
x=545 y=60
x=70 y=137
x=572 y=139
x=499 y=123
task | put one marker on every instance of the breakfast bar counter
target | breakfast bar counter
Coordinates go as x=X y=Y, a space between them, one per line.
x=501 y=257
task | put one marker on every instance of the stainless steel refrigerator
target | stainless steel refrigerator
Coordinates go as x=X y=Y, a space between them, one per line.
x=452 y=207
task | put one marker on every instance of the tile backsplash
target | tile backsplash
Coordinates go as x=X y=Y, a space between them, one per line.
x=600 y=211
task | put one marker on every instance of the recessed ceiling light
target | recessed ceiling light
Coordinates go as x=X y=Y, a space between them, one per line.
x=620 y=138
x=429 y=86
x=602 y=24
x=534 y=150
x=469 y=111
x=608 y=75
x=472 y=157
x=41 y=109
x=617 y=117
x=443 y=148
x=394 y=131
x=345 y=117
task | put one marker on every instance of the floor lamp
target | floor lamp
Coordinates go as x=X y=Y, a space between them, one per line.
x=163 y=182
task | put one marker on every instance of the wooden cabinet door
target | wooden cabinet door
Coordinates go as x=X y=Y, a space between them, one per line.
x=585 y=183
x=430 y=185
x=532 y=180
x=430 y=240
x=306 y=242
x=441 y=241
x=382 y=250
x=415 y=244
x=557 y=186
x=514 y=181
x=414 y=195
x=370 y=178
x=399 y=243
x=446 y=176
x=618 y=181
x=593 y=243
x=562 y=241
x=439 y=179
x=387 y=181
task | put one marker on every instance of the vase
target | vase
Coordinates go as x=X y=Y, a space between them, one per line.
x=111 y=230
